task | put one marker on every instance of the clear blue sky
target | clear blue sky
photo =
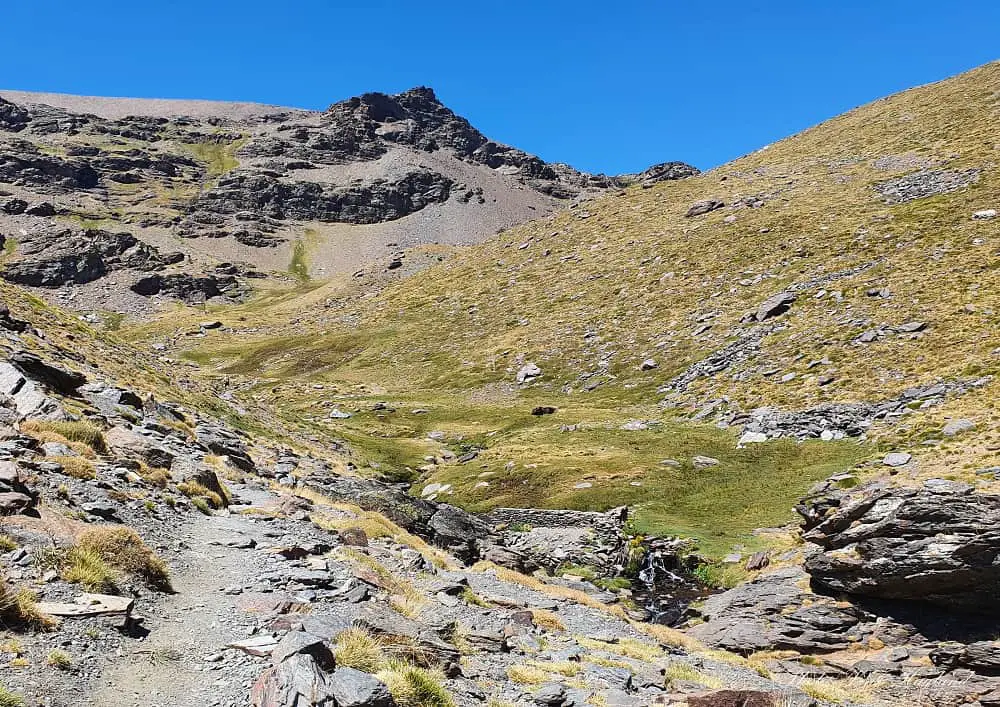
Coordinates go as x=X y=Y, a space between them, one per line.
x=605 y=86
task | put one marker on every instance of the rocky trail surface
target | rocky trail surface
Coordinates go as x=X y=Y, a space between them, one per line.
x=184 y=659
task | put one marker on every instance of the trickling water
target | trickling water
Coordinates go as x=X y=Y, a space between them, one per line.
x=668 y=587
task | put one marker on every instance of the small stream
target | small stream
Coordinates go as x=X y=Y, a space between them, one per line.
x=666 y=587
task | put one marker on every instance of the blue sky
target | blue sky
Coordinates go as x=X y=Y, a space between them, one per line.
x=605 y=86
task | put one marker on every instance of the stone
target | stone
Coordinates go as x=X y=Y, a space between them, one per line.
x=703 y=207
x=528 y=373
x=928 y=545
x=550 y=695
x=702 y=462
x=57 y=377
x=956 y=427
x=984 y=214
x=299 y=643
x=296 y=682
x=89 y=605
x=910 y=327
x=735 y=698
x=338 y=414
x=774 y=306
x=355 y=537
x=896 y=459
x=131 y=445
x=353 y=688
x=543 y=410
x=260 y=646
x=752 y=438
x=649 y=364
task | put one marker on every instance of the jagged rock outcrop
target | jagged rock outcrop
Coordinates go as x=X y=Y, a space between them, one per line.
x=380 y=200
x=461 y=533
x=936 y=544
x=56 y=257
x=22 y=164
x=189 y=288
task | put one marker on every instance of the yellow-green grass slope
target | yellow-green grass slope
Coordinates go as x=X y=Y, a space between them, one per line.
x=599 y=288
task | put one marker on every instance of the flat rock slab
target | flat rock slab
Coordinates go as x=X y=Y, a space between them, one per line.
x=89 y=605
x=260 y=646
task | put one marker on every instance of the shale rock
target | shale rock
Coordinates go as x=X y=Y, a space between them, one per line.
x=936 y=544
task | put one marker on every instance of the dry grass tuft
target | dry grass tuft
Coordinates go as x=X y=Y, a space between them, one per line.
x=80 y=431
x=414 y=687
x=121 y=548
x=357 y=648
x=19 y=610
x=77 y=467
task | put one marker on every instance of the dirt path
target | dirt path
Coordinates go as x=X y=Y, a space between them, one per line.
x=183 y=662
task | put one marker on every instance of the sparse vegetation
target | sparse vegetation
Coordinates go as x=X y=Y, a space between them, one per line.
x=359 y=649
x=10 y=699
x=77 y=467
x=19 y=610
x=103 y=551
x=58 y=659
x=414 y=687
x=80 y=431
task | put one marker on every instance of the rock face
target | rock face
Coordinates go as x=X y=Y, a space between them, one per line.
x=775 y=612
x=936 y=544
x=55 y=257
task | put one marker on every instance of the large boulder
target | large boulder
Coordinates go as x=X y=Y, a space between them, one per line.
x=132 y=445
x=296 y=682
x=934 y=544
x=776 y=611
x=225 y=442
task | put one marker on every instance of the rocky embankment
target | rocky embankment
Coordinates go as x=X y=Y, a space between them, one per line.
x=899 y=586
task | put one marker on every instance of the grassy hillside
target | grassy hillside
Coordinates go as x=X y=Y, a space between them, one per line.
x=591 y=293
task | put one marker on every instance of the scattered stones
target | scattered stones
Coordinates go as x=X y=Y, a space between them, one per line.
x=925 y=183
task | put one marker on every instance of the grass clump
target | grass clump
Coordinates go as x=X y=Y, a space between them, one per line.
x=357 y=648
x=59 y=659
x=88 y=568
x=80 y=431
x=99 y=552
x=527 y=674
x=19 y=610
x=411 y=686
x=10 y=699
x=7 y=543
x=850 y=691
x=545 y=619
x=682 y=672
x=77 y=467
x=154 y=475
x=201 y=496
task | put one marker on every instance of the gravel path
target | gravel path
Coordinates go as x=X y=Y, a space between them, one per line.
x=183 y=661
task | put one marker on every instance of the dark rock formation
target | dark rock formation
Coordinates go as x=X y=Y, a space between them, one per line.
x=775 y=612
x=374 y=202
x=934 y=544
x=54 y=375
x=192 y=289
x=22 y=164
x=56 y=257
